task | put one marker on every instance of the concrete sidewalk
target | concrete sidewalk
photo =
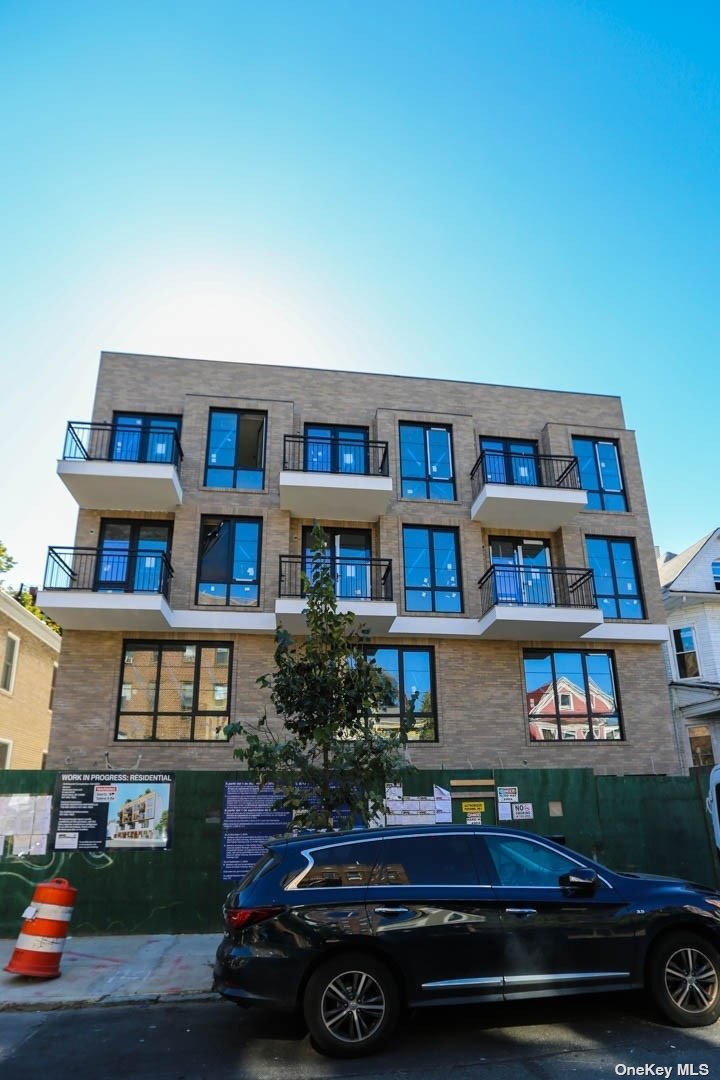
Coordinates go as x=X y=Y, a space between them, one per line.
x=119 y=970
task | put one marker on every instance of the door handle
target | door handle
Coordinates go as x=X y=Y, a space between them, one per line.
x=523 y=911
x=391 y=910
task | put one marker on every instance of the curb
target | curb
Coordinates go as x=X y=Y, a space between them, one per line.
x=108 y=1002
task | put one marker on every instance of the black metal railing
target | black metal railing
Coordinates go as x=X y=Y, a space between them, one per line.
x=355 y=579
x=312 y=453
x=137 y=570
x=122 y=442
x=524 y=470
x=545 y=586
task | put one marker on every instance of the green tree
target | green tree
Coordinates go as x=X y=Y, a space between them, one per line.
x=328 y=758
x=6 y=560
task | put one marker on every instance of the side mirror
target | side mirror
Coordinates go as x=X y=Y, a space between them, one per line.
x=583 y=877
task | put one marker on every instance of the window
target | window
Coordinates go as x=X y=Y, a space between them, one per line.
x=348 y=555
x=349 y=865
x=133 y=556
x=522 y=571
x=571 y=696
x=329 y=448
x=616 y=578
x=518 y=861
x=716 y=574
x=701 y=749
x=426 y=463
x=432 y=575
x=5 y=755
x=686 y=653
x=145 y=437
x=52 y=686
x=229 y=567
x=9 y=663
x=412 y=672
x=509 y=461
x=446 y=859
x=236 y=449
x=600 y=473
x=174 y=691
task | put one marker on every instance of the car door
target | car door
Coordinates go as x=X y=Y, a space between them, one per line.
x=557 y=939
x=430 y=912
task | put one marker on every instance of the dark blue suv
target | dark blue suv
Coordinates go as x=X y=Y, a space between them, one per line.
x=350 y=928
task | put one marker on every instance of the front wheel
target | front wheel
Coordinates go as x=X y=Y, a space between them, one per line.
x=351 y=1005
x=684 y=980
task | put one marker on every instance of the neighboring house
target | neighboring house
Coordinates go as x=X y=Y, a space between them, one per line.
x=494 y=540
x=29 y=654
x=691 y=594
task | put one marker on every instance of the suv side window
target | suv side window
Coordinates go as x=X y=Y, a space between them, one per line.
x=349 y=865
x=445 y=859
x=524 y=862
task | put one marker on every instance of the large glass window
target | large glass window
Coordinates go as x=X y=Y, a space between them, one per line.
x=236 y=449
x=686 y=653
x=571 y=696
x=412 y=672
x=426 y=462
x=133 y=556
x=509 y=461
x=522 y=571
x=169 y=691
x=330 y=448
x=348 y=556
x=9 y=663
x=616 y=578
x=600 y=473
x=229 y=567
x=432 y=574
x=145 y=437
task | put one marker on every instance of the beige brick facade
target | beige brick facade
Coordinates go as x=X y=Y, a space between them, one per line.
x=25 y=686
x=481 y=697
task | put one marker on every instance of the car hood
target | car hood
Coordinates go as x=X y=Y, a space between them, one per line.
x=678 y=883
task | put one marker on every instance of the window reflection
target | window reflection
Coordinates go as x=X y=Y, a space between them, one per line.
x=571 y=696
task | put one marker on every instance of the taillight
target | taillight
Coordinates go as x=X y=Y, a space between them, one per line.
x=241 y=917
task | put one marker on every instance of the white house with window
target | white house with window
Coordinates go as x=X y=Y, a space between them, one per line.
x=691 y=593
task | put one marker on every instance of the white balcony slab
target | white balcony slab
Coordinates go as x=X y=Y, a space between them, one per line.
x=538 y=623
x=225 y=619
x=376 y=615
x=518 y=507
x=122 y=485
x=335 y=496
x=630 y=632
x=75 y=610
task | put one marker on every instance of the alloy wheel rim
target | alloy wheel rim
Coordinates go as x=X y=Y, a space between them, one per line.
x=353 y=1006
x=691 y=980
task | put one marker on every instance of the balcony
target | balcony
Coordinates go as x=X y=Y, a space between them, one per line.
x=537 y=604
x=92 y=589
x=363 y=586
x=525 y=491
x=335 y=479
x=118 y=467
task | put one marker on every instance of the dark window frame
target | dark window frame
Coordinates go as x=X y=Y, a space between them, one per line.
x=402 y=650
x=677 y=652
x=428 y=479
x=149 y=644
x=236 y=467
x=561 y=714
x=335 y=439
x=617 y=596
x=602 y=494
x=232 y=520
x=145 y=430
x=433 y=588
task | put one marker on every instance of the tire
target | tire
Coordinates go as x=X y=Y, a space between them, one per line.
x=684 y=979
x=351 y=1006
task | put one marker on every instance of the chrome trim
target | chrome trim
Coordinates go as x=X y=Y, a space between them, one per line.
x=452 y=983
x=565 y=977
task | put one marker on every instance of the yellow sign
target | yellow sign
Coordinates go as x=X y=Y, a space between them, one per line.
x=473 y=807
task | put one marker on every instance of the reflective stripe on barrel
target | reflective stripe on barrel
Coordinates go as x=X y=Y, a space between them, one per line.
x=32 y=943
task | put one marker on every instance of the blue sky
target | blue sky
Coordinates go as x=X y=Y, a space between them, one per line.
x=515 y=191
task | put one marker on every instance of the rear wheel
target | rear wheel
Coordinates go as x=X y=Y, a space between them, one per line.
x=684 y=979
x=351 y=1005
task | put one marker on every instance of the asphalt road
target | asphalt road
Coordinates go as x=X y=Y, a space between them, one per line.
x=599 y=1038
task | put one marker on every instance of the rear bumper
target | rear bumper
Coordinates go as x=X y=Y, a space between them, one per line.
x=264 y=981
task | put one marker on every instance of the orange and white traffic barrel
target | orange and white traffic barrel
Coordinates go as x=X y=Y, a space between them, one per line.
x=42 y=936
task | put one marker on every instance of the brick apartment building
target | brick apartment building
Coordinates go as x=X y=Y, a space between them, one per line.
x=29 y=655
x=495 y=541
